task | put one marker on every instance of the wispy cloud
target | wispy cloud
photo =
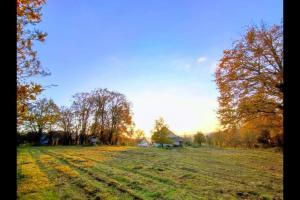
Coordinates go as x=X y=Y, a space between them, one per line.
x=187 y=63
x=182 y=63
x=187 y=66
x=201 y=59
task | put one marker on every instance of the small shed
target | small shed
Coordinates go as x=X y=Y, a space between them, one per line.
x=93 y=140
x=144 y=143
x=44 y=139
x=177 y=141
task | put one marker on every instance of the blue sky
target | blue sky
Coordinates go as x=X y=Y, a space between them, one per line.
x=160 y=53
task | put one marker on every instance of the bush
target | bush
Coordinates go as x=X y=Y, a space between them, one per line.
x=28 y=138
x=187 y=140
x=264 y=138
x=248 y=139
x=199 y=138
x=277 y=140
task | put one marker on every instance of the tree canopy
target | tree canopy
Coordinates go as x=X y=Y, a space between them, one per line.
x=43 y=114
x=250 y=79
x=199 y=138
x=161 y=132
x=28 y=64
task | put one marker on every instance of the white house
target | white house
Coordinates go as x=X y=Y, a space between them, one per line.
x=93 y=140
x=144 y=143
x=177 y=141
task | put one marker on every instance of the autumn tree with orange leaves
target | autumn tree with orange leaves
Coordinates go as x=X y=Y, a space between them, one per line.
x=28 y=64
x=250 y=80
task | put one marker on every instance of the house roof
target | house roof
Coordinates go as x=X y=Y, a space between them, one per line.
x=171 y=134
x=143 y=140
x=174 y=137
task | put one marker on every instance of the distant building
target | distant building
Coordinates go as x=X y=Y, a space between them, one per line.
x=143 y=143
x=44 y=139
x=176 y=140
x=93 y=140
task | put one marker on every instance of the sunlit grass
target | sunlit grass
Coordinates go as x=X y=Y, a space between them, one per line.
x=112 y=172
x=31 y=178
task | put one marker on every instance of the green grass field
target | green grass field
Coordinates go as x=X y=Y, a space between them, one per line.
x=108 y=172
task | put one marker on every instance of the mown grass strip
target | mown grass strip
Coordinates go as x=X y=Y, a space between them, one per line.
x=91 y=188
x=188 y=173
x=176 y=185
x=61 y=176
x=203 y=171
x=106 y=180
x=32 y=182
x=135 y=180
x=202 y=178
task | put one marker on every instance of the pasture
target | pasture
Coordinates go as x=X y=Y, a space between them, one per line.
x=118 y=172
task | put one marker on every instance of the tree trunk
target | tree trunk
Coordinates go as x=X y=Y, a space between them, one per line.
x=39 y=134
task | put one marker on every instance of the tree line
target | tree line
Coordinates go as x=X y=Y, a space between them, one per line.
x=225 y=138
x=245 y=139
x=101 y=113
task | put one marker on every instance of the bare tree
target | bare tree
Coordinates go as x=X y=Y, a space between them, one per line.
x=66 y=119
x=120 y=117
x=101 y=99
x=82 y=106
